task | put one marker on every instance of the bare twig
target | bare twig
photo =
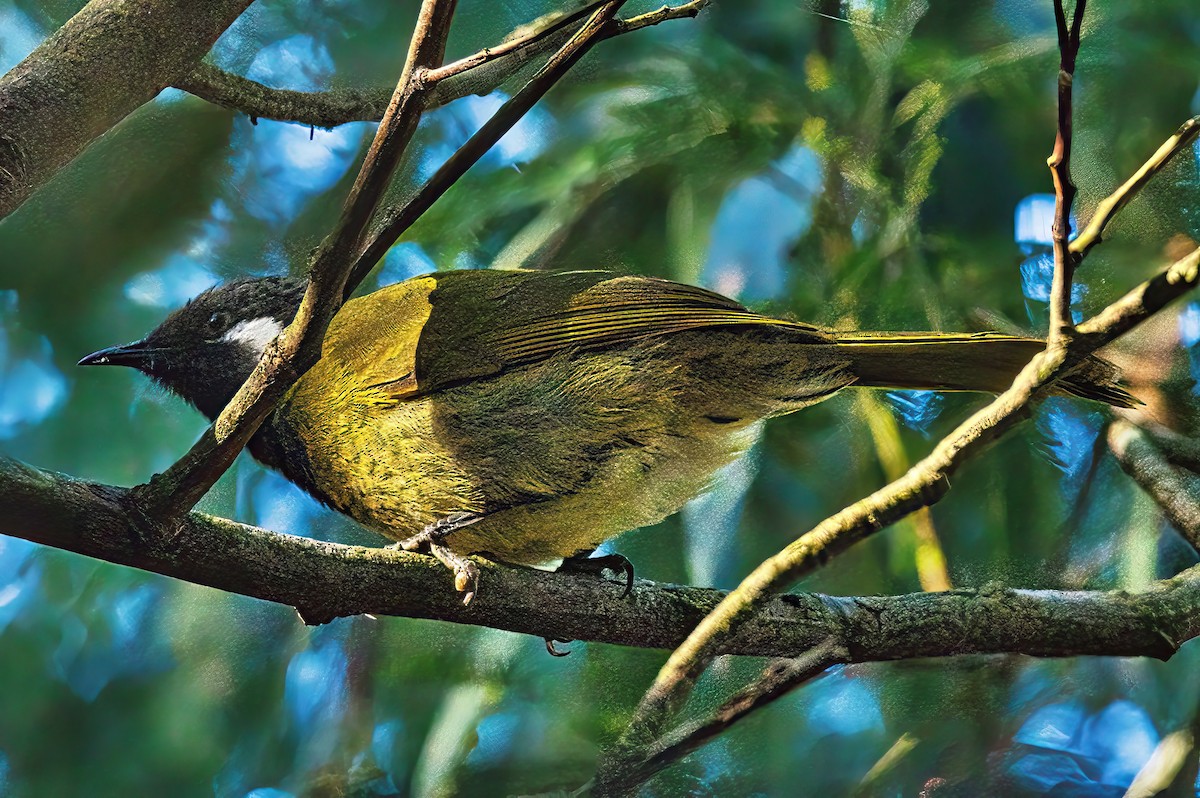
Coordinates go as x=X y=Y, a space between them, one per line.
x=526 y=40
x=1169 y=487
x=479 y=73
x=1059 y=162
x=1110 y=206
x=778 y=679
x=177 y=490
x=395 y=220
x=324 y=109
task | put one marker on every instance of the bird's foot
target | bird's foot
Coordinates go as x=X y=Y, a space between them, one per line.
x=583 y=563
x=437 y=532
x=466 y=573
x=432 y=541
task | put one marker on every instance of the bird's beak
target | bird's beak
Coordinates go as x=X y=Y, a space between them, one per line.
x=135 y=355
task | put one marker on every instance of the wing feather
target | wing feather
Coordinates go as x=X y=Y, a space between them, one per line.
x=486 y=321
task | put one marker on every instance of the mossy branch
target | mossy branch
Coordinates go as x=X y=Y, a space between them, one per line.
x=324 y=581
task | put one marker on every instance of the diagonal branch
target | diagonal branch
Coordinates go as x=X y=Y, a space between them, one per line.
x=1179 y=449
x=394 y=221
x=105 y=62
x=779 y=679
x=177 y=490
x=923 y=485
x=1110 y=206
x=1167 y=485
x=479 y=73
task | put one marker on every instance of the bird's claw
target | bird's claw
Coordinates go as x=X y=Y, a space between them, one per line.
x=617 y=563
x=466 y=573
x=554 y=652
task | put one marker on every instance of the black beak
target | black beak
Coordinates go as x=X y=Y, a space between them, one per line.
x=136 y=355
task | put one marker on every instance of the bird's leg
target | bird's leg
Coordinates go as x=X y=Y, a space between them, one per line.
x=584 y=563
x=433 y=539
x=438 y=531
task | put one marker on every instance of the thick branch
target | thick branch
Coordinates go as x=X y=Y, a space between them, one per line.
x=1167 y=485
x=106 y=61
x=327 y=580
x=299 y=346
x=1178 y=449
x=479 y=73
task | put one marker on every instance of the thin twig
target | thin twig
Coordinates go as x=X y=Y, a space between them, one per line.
x=1142 y=460
x=778 y=679
x=1110 y=206
x=397 y=219
x=1059 y=162
x=479 y=73
x=525 y=40
x=923 y=485
x=173 y=493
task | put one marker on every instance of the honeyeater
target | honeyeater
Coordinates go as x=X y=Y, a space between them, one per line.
x=529 y=416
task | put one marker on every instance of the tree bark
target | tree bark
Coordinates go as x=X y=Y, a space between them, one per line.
x=327 y=580
x=110 y=58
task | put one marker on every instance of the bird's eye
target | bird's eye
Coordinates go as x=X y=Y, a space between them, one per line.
x=218 y=323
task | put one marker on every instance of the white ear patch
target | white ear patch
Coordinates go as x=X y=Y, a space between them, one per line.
x=254 y=334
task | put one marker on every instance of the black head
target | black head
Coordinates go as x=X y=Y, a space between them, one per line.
x=205 y=350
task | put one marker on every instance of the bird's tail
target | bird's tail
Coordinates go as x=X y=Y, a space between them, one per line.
x=967 y=362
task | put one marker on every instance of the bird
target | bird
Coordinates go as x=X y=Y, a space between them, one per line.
x=529 y=416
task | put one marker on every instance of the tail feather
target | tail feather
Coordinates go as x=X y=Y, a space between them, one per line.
x=967 y=362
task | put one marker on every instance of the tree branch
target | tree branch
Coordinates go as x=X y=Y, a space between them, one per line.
x=1169 y=487
x=923 y=485
x=397 y=219
x=479 y=73
x=299 y=346
x=1110 y=206
x=327 y=580
x=781 y=677
x=110 y=58
x=1061 y=323
x=1179 y=449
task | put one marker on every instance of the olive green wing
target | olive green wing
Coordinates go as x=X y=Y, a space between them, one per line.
x=482 y=322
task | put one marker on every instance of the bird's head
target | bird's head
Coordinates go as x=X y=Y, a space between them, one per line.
x=205 y=350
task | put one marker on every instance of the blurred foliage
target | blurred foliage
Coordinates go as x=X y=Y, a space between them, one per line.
x=851 y=163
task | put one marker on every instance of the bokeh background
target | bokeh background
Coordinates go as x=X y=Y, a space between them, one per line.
x=886 y=172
